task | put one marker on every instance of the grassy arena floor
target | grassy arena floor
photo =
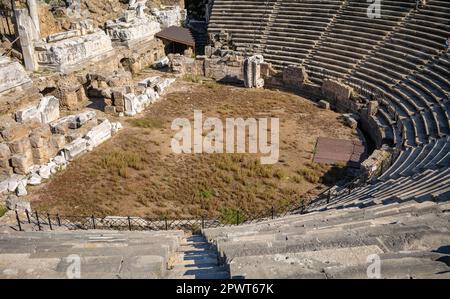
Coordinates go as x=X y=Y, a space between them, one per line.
x=136 y=173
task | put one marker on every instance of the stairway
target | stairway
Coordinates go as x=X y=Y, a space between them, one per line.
x=197 y=259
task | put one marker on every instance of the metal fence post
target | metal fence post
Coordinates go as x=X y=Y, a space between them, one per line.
x=28 y=216
x=49 y=221
x=37 y=219
x=93 y=221
x=203 y=222
x=18 y=221
x=237 y=217
x=58 y=219
x=165 y=222
x=273 y=212
x=129 y=223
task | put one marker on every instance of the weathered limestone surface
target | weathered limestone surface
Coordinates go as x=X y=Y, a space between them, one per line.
x=252 y=72
x=335 y=90
x=151 y=89
x=340 y=95
x=376 y=163
x=75 y=148
x=66 y=54
x=140 y=28
x=295 y=76
x=99 y=134
x=171 y=16
x=49 y=109
x=12 y=75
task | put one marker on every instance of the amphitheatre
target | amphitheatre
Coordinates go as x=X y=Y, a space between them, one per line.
x=89 y=178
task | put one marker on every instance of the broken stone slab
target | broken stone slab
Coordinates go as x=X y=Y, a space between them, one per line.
x=14 y=203
x=34 y=179
x=163 y=84
x=59 y=160
x=151 y=94
x=12 y=75
x=75 y=148
x=53 y=167
x=28 y=114
x=21 y=189
x=143 y=100
x=130 y=104
x=55 y=37
x=62 y=125
x=115 y=127
x=149 y=82
x=84 y=117
x=49 y=109
x=99 y=134
x=162 y=63
x=45 y=171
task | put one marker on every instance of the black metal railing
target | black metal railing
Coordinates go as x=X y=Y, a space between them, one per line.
x=40 y=221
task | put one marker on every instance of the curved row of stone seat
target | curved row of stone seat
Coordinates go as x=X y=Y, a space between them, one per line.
x=296 y=30
x=104 y=254
x=354 y=35
x=415 y=159
x=409 y=238
x=426 y=185
x=244 y=20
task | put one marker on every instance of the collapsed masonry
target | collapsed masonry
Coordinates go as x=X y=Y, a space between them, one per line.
x=134 y=26
x=121 y=96
x=38 y=142
x=67 y=51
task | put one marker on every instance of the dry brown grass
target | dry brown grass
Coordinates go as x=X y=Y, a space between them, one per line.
x=136 y=172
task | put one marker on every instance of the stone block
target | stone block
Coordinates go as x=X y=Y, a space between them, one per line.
x=40 y=137
x=21 y=163
x=59 y=36
x=372 y=108
x=295 y=76
x=18 y=131
x=335 y=90
x=34 y=180
x=62 y=125
x=5 y=152
x=57 y=142
x=20 y=146
x=28 y=114
x=75 y=148
x=130 y=104
x=44 y=171
x=12 y=75
x=49 y=109
x=84 y=117
x=99 y=134
x=324 y=105
x=69 y=99
x=110 y=109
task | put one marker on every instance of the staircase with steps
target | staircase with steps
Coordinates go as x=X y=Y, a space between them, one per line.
x=197 y=259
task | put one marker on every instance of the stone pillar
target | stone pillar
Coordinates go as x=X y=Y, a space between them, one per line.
x=252 y=72
x=33 y=9
x=27 y=35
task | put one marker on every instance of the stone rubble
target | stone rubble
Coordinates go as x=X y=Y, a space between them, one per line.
x=45 y=112
x=134 y=25
x=152 y=89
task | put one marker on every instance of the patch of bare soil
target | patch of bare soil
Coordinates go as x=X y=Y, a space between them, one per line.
x=136 y=172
